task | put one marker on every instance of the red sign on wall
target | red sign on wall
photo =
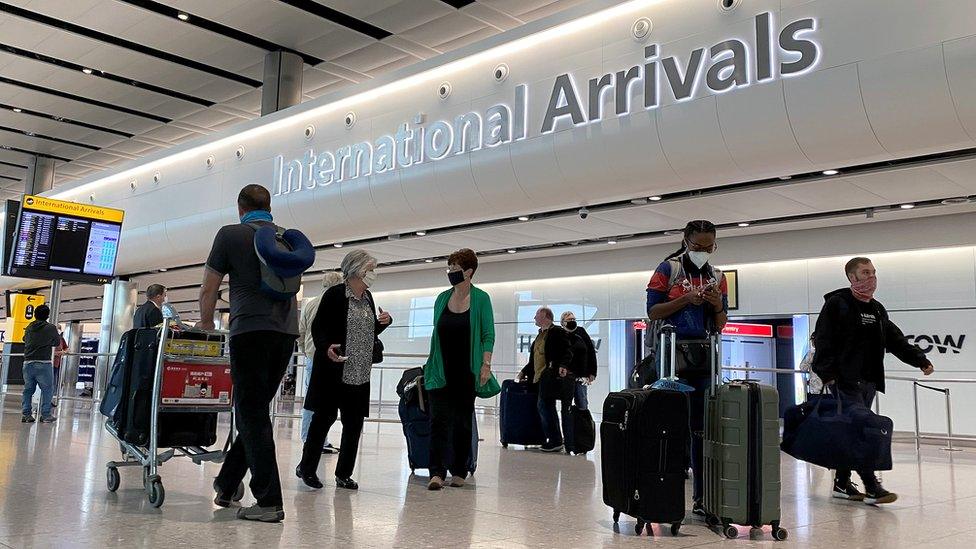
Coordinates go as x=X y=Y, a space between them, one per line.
x=196 y=384
x=749 y=330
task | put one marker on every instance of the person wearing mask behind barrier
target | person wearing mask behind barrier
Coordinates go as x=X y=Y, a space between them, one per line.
x=150 y=313
x=852 y=335
x=458 y=368
x=583 y=370
x=263 y=330
x=549 y=367
x=691 y=295
x=344 y=332
x=307 y=344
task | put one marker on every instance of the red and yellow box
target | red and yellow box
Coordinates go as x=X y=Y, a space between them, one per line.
x=197 y=384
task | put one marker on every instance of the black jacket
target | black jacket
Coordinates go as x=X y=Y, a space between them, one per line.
x=329 y=328
x=558 y=354
x=40 y=338
x=840 y=354
x=148 y=315
x=584 y=354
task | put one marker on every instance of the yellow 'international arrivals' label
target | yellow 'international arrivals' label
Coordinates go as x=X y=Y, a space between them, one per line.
x=88 y=211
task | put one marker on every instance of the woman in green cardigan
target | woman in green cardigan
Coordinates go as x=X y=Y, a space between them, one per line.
x=458 y=368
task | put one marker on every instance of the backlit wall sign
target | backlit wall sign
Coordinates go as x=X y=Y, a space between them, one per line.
x=729 y=65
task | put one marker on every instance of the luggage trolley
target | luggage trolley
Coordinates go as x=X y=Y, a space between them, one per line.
x=192 y=374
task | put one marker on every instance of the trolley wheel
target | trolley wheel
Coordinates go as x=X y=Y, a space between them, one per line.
x=780 y=534
x=639 y=527
x=156 y=493
x=616 y=517
x=675 y=528
x=239 y=493
x=730 y=531
x=112 y=478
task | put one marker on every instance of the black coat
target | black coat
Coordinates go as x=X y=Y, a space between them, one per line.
x=559 y=354
x=584 y=353
x=840 y=354
x=329 y=328
x=148 y=315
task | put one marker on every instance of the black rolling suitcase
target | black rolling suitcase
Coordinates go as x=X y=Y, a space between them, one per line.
x=645 y=454
x=132 y=416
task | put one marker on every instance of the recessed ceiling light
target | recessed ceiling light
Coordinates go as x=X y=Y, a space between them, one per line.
x=907 y=206
x=743 y=224
x=655 y=198
x=512 y=251
x=163 y=269
x=86 y=70
x=956 y=201
x=523 y=218
x=337 y=245
x=428 y=261
x=420 y=233
x=639 y=201
x=785 y=177
x=673 y=233
x=18 y=109
x=611 y=242
x=830 y=172
x=183 y=16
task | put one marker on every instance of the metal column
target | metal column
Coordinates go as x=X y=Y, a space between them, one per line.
x=282 y=81
x=118 y=306
x=40 y=175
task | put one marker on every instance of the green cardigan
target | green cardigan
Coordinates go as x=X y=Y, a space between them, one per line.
x=482 y=341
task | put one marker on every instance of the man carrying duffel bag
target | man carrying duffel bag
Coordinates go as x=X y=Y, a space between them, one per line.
x=853 y=333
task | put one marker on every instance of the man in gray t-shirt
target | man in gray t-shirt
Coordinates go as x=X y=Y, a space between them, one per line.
x=263 y=331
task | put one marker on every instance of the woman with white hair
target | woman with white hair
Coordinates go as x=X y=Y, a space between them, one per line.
x=307 y=345
x=344 y=333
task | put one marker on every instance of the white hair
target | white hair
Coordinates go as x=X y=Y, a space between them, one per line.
x=330 y=279
x=355 y=263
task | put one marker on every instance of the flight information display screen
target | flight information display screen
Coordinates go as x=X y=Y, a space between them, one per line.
x=55 y=239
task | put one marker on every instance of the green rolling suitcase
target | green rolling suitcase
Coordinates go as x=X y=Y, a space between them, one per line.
x=741 y=454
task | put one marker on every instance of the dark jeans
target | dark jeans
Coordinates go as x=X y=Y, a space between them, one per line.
x=257 y=363
x=697 y=421
x=863 y=393
x=550 y=420
x=450 y=433
x=352 y=428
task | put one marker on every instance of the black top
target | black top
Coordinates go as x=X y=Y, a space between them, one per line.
x=584 y=353
x=148 y=315
x=40 y=338
x=454 y=330
x=852 y=338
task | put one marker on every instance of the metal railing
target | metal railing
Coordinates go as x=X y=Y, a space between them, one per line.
x=949 y=437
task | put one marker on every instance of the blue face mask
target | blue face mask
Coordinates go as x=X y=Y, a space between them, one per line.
x=256 y=215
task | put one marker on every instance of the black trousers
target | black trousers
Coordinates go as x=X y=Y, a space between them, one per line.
x=864 y=394
x=450 y=433
x=257 y=363
x=352 y=428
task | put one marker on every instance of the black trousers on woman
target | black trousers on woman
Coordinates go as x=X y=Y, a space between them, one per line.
x=450 y=433
x=351 y=407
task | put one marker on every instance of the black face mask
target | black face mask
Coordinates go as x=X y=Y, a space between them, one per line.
x=455 y=277
x=571 y=325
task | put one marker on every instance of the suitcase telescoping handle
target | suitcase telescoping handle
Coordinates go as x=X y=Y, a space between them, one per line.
x=669 y=341
x=714 y=348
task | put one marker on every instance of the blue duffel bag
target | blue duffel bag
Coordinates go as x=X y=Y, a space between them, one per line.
x=838 y=434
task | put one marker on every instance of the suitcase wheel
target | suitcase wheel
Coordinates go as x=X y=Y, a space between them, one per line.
x=730 y=531
x=156 y=493
x=616 y=517
x=675 y=527
x=639 y=528
x=779 y=534
x=711 y=520
x=112 y=478
x=505 y=445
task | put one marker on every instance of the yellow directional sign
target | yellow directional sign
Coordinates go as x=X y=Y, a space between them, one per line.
x=22 y=312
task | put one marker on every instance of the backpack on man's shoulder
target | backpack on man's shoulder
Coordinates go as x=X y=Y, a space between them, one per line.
x=284 y=255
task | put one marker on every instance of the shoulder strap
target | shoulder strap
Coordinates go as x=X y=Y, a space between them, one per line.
x=677 y=270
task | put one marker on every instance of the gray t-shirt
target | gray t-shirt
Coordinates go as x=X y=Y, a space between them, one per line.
x=251 y=309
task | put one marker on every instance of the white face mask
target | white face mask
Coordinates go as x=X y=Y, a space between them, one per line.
x=699 y=258
x=369 y=279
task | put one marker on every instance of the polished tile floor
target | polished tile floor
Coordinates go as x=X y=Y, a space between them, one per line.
x=53 y=494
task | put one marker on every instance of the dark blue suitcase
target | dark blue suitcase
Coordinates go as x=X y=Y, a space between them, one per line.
x=518 y=415
x=416 y=429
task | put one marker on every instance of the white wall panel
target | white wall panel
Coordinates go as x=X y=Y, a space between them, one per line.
x=960 y=61
x=693 y=143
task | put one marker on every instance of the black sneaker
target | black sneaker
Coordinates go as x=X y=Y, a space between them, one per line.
x=27 y=418
x=329 y=449
x=225 y=500
x=698 y=510
x=875 y=494
x=547 y=447
x=845 y=489
x=48 y=419
x=312 y=481
x=261 y=514
x=347 y=483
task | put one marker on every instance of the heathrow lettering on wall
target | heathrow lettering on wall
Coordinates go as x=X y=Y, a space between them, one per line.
x=943 y=344
x=729 y=66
